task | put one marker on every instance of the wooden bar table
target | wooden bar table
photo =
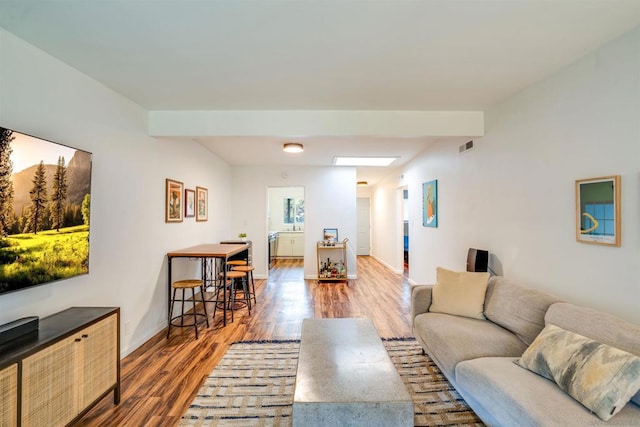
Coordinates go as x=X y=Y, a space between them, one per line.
x=205 y=252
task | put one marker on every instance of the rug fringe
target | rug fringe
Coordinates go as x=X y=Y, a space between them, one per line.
x=399 y=339
x=297 y=341
x=265 y=342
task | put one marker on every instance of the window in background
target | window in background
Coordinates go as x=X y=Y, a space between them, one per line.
x=293 y=211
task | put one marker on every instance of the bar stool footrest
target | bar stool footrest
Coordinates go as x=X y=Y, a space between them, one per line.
x=189 y=317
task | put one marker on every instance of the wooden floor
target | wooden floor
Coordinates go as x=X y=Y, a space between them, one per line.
x=161 y=378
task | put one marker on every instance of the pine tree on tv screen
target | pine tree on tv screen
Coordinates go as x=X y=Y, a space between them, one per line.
x=45 y=198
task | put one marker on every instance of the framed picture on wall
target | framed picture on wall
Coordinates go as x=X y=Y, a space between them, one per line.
x=189 y=203
x=598 y=210
x=430 y=203
x=173 y=200
x=202 y=204
x=330 y=235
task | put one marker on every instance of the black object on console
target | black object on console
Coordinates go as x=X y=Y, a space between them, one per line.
x=20 y=328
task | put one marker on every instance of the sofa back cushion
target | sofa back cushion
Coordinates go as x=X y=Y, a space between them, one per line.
x=601 y=327
x=597 y=325
x=516 y=308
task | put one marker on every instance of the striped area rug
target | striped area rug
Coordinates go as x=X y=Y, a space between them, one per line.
x=253 y=385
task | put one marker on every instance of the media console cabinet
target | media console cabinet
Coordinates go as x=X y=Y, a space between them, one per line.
x=56 y=377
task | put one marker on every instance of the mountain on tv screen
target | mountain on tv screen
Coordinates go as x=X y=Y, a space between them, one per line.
x=45 y=200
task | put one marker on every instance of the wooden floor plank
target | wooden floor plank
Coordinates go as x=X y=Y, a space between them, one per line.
x=161 y=377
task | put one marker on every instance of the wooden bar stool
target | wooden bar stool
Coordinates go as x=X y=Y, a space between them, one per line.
x=228 y=265
x=183 y=285
x=248 y=270
x=236 y=281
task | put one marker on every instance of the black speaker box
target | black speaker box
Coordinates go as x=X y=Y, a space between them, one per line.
x=27 y=326
x=477 y=260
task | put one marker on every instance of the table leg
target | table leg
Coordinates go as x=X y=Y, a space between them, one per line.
x=224 y=292
x=208 y=276
x=169 y=291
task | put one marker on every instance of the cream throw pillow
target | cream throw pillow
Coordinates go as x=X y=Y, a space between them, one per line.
x=459 y=293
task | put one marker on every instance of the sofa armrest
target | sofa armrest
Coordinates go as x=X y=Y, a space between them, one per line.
x=420 y=300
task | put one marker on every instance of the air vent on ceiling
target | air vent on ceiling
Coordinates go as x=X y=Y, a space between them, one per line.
x=465 y=147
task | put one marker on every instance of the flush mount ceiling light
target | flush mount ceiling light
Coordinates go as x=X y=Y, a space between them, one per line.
x=292 y=147
x=362 y=183
x=363 y=161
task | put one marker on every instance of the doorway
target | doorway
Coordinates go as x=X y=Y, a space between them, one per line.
x=405 y=226
x=285 y=224
x=363 y=221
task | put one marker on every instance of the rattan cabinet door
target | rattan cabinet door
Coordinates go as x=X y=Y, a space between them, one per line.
x=49 y=391
x=99 y=359
x=9 y=396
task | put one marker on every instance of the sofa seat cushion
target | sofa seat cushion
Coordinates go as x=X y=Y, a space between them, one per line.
x=524 y=398
x=452 y=339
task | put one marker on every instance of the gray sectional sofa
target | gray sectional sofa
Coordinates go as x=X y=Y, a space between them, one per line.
x=477 y=355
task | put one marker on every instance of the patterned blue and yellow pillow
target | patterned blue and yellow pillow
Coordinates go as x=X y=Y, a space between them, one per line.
x=601 y=377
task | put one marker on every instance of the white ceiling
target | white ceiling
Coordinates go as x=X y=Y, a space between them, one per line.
x=319 y=151
x=317 y=55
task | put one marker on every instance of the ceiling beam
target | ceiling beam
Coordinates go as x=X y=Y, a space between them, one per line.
x=316 y=123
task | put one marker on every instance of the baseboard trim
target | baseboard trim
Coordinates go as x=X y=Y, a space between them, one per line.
x=387 y=265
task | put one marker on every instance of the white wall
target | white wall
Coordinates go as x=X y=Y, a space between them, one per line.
x=42 y=96
x=386 y=223
x=329 y=198
x=513 y=194
x=363 y=192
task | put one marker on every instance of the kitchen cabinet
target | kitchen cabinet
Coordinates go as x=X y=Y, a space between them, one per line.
x=291 y=244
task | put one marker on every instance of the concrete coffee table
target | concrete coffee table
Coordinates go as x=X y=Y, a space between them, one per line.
x=346 y=378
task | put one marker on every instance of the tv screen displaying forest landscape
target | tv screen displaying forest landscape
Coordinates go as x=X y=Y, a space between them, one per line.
x=45 y=196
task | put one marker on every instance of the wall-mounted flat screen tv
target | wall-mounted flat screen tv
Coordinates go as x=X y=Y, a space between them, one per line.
x=45 y=197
